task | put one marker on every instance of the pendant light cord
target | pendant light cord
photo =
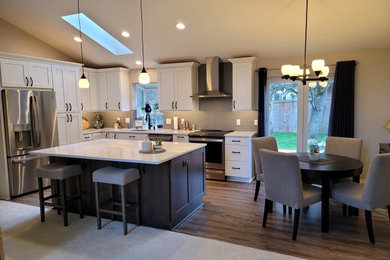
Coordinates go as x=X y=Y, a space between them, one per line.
x=142 y=36
x=304 y=61
x=81 y=42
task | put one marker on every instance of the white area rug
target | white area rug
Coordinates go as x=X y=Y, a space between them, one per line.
x=25 y=237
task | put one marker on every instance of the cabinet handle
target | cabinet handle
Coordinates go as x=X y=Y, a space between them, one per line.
x=82 y=107
x=179 y=136
x=86 y=137
x=106 y=106
x=119 y=105
x=236 y=168
x=176 y=104
x=236 y=141
x=235 y=152
x=234 y=104
x=172 y=105
x=26 y=82
x=131 y=136
x=70 y=106
x=67 y=118
x=114 y=136
x=184 y=163
x=71 y=118
x=67 y=107
x=106 y=135
x=32 y=82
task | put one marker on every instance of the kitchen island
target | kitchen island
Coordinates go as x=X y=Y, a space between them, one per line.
x=172 y=182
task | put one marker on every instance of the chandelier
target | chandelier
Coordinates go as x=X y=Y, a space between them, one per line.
x=294 y=72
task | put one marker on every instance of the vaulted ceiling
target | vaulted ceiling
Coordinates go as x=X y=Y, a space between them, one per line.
x=225 y=28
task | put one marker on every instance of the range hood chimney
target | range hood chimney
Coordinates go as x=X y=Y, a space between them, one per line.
x=214 y=79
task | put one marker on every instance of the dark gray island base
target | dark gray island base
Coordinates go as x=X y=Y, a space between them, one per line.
x=169 y=192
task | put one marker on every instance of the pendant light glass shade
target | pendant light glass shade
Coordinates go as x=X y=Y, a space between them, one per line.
x=294 y=71
x=307 y=72
x=324 y=72
x=317 y=65
x=144 y=77
x=83 y=82
x=286 y=69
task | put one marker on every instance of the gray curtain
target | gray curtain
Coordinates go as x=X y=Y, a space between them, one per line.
x=261 y=127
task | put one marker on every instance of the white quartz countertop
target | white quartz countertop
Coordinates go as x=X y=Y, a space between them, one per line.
x=241 y=134
x=134 y=131
x=119 y=151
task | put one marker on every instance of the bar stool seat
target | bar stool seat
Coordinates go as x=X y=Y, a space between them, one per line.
x=60 y=173
x=122 y=177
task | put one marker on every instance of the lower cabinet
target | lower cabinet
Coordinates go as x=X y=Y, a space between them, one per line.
x=69 y=128
x=238 y=158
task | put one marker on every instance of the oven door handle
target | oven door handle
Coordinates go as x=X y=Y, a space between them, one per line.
x=205 y=140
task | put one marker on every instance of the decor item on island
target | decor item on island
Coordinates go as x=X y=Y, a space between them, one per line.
x=294 y=72
x=314 y=154
x=85 y=122
x=158 y=144
x=147 y=146
x=83 y=82
x=117 y=123
x=98 y=122
x=143 y=76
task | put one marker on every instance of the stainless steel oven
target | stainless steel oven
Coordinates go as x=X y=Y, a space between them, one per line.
x=215 y=151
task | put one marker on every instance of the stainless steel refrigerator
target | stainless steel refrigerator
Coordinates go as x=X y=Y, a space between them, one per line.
x=30 y=124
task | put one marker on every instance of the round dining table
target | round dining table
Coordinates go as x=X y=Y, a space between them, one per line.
x=328 y=167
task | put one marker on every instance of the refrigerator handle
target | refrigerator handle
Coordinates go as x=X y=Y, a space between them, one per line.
x=35 y=121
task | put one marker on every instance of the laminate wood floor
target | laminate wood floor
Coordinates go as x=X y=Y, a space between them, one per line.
x=229 y=214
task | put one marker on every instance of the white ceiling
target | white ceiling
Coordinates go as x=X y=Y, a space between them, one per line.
x=225 y=28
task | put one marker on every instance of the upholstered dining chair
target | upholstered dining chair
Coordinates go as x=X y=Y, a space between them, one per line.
x=266 y=142
x=283 y=184
x=375 y=193
x=344 y=146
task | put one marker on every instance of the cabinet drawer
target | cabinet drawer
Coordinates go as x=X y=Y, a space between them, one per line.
x=181 y=138
x=236 y=153
x=236 y=140
x=98 y=136
x=130 y=136
x=237 y=169
x=87 y=137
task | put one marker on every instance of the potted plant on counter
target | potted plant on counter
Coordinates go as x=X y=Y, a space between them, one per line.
x=314 y=154
x=158 y=144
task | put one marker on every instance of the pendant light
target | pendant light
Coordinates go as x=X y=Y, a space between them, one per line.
x=143 y=76
x=294 y=72
x=83 y=82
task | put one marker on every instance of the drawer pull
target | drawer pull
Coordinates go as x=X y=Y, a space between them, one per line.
x=235 y=152
x=179 y=136
x=131 y=136
x=236 y=168
x=236 y=141
x=86 y=137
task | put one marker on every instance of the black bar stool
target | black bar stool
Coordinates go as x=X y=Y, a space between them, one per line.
x=59 y=172
x=122 y=177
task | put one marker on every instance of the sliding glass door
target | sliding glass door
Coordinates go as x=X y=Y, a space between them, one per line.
x=298 y=115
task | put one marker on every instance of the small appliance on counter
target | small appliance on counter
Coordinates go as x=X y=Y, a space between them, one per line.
x=98 y=123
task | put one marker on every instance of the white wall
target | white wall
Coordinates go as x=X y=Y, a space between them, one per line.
x=372 y=93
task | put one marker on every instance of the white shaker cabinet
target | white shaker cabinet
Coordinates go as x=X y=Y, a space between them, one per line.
x=65 y=82
x=244 y=78
x=177 y=82
x=23 y=73
x=89 y=97
x=69 y=128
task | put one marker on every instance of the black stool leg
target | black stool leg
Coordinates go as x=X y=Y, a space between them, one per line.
x=296 y=222
x=388 y=211
x=138 y=208
x=124 y=216
x=257 y=190
x=99 y=222
x=57 y=200
x=80 y=198
x=41 y=206
x=267 y=209
x=344 y=210
x=284 y=209
x=289 y=210
x=63 y=202
x=369 y=226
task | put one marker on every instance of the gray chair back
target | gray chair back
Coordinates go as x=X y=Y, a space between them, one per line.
x=266 y=142
x=282 y=178
x=376 y=191
x=344 y=146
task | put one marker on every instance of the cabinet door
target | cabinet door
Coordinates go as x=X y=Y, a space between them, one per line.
x=183 y=89
x=40 y=75
x=71 y=88
x=14 y=73
x=102 y=90
x=197 y=178
x=62 y=124
x=179 y=184
x=59 y=88
x=114 y=91
x=166 y=89
x=93 y=91
x=85 y=95
x=242 y=87
x=124 y=96
x=75 y=128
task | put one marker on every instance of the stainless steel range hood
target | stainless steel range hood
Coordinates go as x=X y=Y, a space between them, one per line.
x=214 y=78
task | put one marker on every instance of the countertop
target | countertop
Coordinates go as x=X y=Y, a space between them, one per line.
x=134 y=131
x=119 y=151
x=241 y=134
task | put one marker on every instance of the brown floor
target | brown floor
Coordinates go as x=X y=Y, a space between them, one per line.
x=229 y=214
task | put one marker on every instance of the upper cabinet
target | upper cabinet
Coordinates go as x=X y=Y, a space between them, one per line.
x=177 y=82
x=244 y=90
x=20 y=73
x=114 y=89
x=65 y=82
x=90 y=96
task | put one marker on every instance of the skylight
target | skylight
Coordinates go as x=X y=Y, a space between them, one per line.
x=97 y=33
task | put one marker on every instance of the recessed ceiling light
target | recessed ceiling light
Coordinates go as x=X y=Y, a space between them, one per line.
x=77 y=39
x=125 y=34
x=180 y=26
x=138 y=62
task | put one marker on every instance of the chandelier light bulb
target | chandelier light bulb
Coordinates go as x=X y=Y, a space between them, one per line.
x=286 y=69
x=294 y=72
x=312 y=84
x=324 y=73
x=323 y=84
x=317 y=66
